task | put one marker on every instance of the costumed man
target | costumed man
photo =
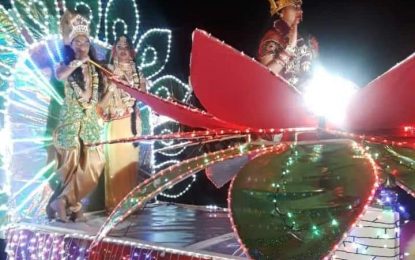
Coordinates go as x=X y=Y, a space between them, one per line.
x=120 y=111
x=79 y=167
x=281 y=49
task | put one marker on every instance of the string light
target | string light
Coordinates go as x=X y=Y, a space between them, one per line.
x=168 y=79
x=372 y=138
x=143 y=44
x=288 y=217
x=144 y=64
x=124 y=7
x=82 y=3
x=165 y=179
x=175 y=196
x=114 y=25
x=52 y=245
x=375 y=235
x=25 y=12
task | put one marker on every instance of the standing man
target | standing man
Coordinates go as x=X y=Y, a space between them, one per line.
x=281 y=49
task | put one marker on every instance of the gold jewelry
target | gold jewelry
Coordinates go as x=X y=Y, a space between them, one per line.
x=75 y=64
x=278 y=5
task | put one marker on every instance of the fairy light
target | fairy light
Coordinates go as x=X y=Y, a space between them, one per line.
x=173 y=174
x=42 y=10
x=314 y=229
x=145 y=37
x=163 y=131
x=168 y=79
x=165 y=163
x=166 y=131
x=370 y=199
x=40 y=79
x=46 y=44
x=6 y=150
x=46 y=245
x=144 y=54
x=124 y=5
x=173 y=154
x=141 y=43
x=178 y=195
x=276 y=149
x=82 y=3
x=95 y=13
x=58 y=48
x=6 y=156
x=375 y=235
x=12 y=21
x=114 y=25
x=163 y=89
x=57 y=12
x=372 y=138
x=18 y=14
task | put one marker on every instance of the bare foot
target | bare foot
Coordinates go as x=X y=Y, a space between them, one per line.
x=78 y=216
x=59 y=206
x=50 y=213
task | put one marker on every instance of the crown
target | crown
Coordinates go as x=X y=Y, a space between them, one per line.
x=278 y=5
x=80 y=26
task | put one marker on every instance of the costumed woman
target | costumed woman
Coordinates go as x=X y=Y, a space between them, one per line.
x=281 y=49
x=119 y=109
x=79 y=166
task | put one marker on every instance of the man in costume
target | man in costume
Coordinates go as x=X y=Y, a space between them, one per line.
x=281 y=49
x=79 y=166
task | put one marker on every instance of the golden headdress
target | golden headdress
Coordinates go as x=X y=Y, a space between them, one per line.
x=278 y=5
x=73 y=25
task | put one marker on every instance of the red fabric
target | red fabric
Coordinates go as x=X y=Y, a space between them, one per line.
x=386 y=103
x=237 y=89
x=184 y=115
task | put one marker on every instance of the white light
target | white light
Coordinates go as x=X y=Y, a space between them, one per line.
x=328 y=95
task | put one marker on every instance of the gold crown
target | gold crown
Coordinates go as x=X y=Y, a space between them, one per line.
x=80 y=26
x=278 y=5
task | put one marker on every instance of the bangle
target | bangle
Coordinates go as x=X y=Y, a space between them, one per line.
x=284 y=57
x=75 y=64
x=279 y=61
x=290 y=50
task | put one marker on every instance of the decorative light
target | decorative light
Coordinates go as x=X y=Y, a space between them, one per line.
x=45 y=245
x=106 y=22
x=175 y=196
x=144 y=38
x=178 y=173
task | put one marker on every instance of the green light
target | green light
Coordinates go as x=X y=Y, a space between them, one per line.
x=334 y=222
x=289 y=214
x=315 y=230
